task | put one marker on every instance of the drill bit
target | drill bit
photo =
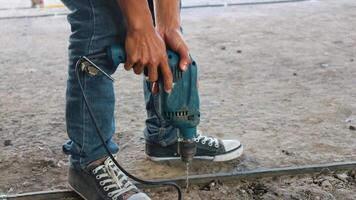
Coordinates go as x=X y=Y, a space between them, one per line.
x=187 y=176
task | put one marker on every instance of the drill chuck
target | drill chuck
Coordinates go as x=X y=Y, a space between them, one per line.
x=187 y=149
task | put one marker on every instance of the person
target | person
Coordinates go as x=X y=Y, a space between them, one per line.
x=146 y=29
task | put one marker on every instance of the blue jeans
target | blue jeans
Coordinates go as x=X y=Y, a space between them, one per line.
x=96 y=24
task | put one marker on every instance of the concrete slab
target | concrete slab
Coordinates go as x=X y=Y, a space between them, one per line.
x=284 y=86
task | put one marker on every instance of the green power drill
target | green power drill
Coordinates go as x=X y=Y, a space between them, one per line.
x=180 y=108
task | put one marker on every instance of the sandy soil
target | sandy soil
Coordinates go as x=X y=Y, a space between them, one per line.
x=278 y=77
x=326 y=187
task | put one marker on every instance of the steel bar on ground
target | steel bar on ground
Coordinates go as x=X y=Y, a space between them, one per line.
x=205 y=179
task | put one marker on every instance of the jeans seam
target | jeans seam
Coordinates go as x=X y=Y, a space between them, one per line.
x=84 y=133
x=93 y=25
x=84 y=116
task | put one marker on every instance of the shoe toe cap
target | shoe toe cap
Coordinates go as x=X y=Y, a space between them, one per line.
x=139 y=196
x=231 y=145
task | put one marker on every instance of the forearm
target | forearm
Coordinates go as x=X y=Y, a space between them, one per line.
x=167 y=14
x=168 y=25
x=137 y=14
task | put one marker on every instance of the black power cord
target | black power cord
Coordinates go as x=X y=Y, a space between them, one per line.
x=162 y=183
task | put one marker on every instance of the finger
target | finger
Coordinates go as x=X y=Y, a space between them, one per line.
x=145 y=72
x=128 y=65
x=138 y=68
x=167 y=76
x=155 y=88
x=185 y=61
x=152 y=73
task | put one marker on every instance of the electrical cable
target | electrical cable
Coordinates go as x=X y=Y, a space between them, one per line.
x=98 y=131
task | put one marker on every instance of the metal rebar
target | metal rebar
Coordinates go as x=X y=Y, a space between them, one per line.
x=205 y=179
x=44 y=195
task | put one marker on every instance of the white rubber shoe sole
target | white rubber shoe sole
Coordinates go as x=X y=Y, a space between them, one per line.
x=218 y=158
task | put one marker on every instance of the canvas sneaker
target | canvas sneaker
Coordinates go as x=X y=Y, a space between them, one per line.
x=103 y=182
x=208 y=148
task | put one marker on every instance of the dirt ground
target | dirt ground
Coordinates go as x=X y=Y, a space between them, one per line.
x=278 y=77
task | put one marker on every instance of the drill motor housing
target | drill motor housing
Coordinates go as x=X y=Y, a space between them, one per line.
x=180 y=108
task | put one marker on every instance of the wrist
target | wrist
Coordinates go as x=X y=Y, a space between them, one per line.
x=144 y=23
x=163 y=31
x=135 y=28
x=168 y=24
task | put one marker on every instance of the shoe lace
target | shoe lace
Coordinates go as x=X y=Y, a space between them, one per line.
x=203 y=139
x=115 y=178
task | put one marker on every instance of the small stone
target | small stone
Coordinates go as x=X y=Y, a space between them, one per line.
x=10 y=190
x=61 y=163
x=351 y=60
x=295 y=74
x=338 y=42
x=324 y=65
x=223 y=191
x=287 y=152
x=195 y=187
x=212 y=184
x=352 y=174
x=31 y=70
x=223 y=48
x=351 y=123
x=238 y=51
x=343 y=177
x=326 y=185
x=49 y=162
x=26 y=184
x=309 y=181
x=7 y=143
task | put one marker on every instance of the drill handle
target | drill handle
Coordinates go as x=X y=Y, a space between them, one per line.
x=117 y=54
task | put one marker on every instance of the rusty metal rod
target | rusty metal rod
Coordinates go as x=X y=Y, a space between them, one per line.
x=203 y=179
x=44 y=195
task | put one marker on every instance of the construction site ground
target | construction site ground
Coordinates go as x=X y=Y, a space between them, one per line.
x=280 y=78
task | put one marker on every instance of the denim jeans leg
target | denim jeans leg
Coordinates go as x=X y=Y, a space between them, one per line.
x=157 y=131
x=95 y=24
